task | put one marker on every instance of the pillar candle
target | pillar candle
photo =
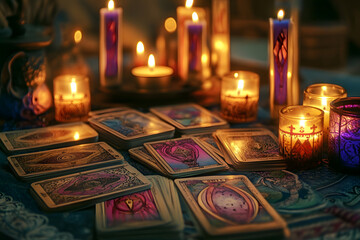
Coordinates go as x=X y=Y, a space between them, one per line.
x=301 y=136
x=110 y=62
x=281 y=64
x=184 y=14
x=220 y=39
x=195 y=36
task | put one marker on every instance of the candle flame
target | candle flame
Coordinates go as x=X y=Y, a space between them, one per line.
x=195 y=17
x=76 y=136
x=140 y=49
x=240 y=86
x=324 y=88
x=77 y=36
x=280 y=14
x=111 y=5
x=204 y=58
x=170 y=25
x=189 y=3
x=151 y=62
x=302 y=122
x=289 y=74
x=323 y=102
x=236 y=75
x=73 y=86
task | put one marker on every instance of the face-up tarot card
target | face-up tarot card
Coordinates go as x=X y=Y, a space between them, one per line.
x=188 y=116
x=51 y=163
x=251 y=146
x=209 y=140
x=138 y=210
x=89 y=187
x=226 y=205
x=49 y=137
x=130 y=124
x=185 y=156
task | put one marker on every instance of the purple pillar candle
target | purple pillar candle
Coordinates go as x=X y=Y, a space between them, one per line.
x=195 y=32
x=281 y=61
x=110 y=62
x=344 y=134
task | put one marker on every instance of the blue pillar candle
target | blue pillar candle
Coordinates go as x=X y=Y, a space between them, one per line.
x=344 y=134
x=110 y=61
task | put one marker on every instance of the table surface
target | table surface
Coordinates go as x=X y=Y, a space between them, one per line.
x=318 y=203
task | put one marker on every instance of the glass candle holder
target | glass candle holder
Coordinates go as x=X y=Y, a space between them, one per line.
x=344 y=134
x=240 y=96
x=320 y=95
x=72 y=98
x=301 y=136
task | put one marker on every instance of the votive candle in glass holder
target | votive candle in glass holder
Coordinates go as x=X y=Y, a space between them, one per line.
x=72 y=98
x=344 y=134
x=301 y=136
x=240 y=96
x=320 y=95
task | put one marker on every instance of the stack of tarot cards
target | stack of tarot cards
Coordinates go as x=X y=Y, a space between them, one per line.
x=52 y=163
x=87 y=188
x=230 y=207
x=149 y=214
x=250 y=149
x=189 y=118
x=37 y=139
x=180 y=157
x=130 y=128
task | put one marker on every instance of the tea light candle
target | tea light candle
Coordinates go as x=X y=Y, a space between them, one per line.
x=344 y=134
x=151 y=76
x=240 y=96
x=71 y=97
x=320 y=95
x=110 y=62
x=301 y=136
x=195 y=35
x=184 y=14
x=281 y=64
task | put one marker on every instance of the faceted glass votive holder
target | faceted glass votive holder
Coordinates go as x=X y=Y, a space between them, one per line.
x=240 y=96
x=344 y=134
x=71 y=98
x=320 y=95
x=301 y=136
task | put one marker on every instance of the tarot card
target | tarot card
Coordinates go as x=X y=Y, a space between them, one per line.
x=107 y=110
x=127 y=213
x=51 y=163
x=208 y=140
x=130 y=124
x=185 y=156
x=61 y=135
x=87 y=188
x=188 y=116
x=226 y=205
x=142 y=155
x=251 y=146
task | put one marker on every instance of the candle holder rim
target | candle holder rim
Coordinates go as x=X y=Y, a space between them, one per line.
x=320 y=115
x=334 y=106
x=231 y=74
x=70 y=76
x=316 y=85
